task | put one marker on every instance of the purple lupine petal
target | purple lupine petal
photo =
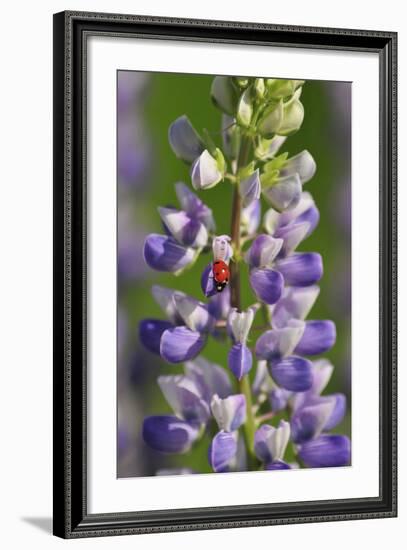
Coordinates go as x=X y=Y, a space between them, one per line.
x=165 y=254
x=222 y=451
x=229 y=413
x=267 y=284
x=250 y=189
x=240 y=360
x=184 y=140
x=311 y=217
x=338 y=412
x=194 y=313
x=240 y=323
x=295 y=303
x=263 y=251
x=165 y=299
x=326 y=451
x=292 y=373
x=318 y=337
x=270 y=443
x=150 y=332
x=310 y=420
x=184 y=397
x=294 y=215
x=322 y=372
x=279 y=398
x=302 y=164
x=301 y=269
x=292 y=235
x=222 y=249
x=193 y=206
x=181 y=344
x=219 y=304
x=210 y=378
x=169 y=434
x=278 y=343
x=205 y=172
x=285 y=194
x=207 y=282
x=250 y=218
x=278 y=465
x=186 y=230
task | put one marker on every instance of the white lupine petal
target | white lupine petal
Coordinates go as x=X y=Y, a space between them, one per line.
x=229 y=413
x=271 y=220
x=240 y=324
x=222 y=249
x=205 y=172
x=279 y=440
x=164 y=298
x=285 y=194
x=303 y=164
x=323 y=370
x=194 y=314
x=296 y=303
x=179 y=224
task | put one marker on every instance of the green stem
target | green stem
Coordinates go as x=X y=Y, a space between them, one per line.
x=244 y=384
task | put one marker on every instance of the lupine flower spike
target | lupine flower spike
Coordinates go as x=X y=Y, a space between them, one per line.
x=282 y=413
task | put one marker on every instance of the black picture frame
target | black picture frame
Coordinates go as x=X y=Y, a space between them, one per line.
x=71 y=518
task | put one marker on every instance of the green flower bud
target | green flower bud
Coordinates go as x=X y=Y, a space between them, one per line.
x=293 y=115
x=241 y=81
x=271 y=119
x=259 y=87
x=224 y=94
x=245 y=108
x=278 y=88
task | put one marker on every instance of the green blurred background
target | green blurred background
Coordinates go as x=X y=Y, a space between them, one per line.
x=143 y=121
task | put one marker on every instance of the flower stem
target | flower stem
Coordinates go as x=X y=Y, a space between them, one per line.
x=244 y=384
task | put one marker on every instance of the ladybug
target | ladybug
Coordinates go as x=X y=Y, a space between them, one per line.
x=221 y=274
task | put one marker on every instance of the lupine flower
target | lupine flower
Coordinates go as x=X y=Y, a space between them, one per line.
x=313 y=413
x=270 y=269
x=270 y=445
x=282 y=179
x=183 y=336
x=207 y=171
x=240 y=357
x=187 y=233
x=230 y=414
x=184 y=140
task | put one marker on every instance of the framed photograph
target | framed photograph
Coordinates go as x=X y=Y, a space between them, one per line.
x=224 y=274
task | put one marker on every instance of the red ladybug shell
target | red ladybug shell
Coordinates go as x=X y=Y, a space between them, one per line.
x=221 y=272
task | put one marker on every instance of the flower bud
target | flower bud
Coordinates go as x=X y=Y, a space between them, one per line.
x=271 y=120
x=278 y=88
x=245 y=108
x=205 y=172
x=293 y=116
x=224 y=94
x=259 y=87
